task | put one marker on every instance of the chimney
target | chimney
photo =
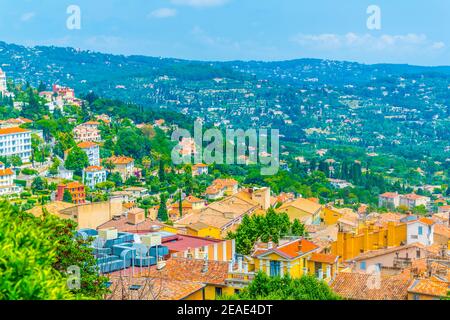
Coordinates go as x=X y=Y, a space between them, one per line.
x=270 y=245
x=300 y=246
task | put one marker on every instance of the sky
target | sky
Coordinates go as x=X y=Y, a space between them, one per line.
x=405 y=31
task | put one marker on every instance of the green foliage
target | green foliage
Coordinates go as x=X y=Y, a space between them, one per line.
x=307 y=287
x=269 y=227
x=39 y=184
x=163 y=216
x=77 y=160
x=35 y=254
x=67 y=196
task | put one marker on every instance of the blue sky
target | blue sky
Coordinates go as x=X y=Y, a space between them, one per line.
x=413 y=31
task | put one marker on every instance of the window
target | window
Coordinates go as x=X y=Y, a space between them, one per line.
x=218 y=291
x=237 y=291
x=420 y=230
x=418 y=254
x=416 y=297
x=274 y=268
x=362 y=265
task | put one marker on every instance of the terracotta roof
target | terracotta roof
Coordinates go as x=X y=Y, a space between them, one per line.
x=389 y=195
x=93 y=169
x=381 y=252
x=200 y=165
x=121 y=160
x=197 y=226
x=92 y=123
x=193 y=199
x=306 y=205
x=6 y=172
x=324 y=258
x=412 y=196
x=442 y=230
x=87 y=144
x=290 y=250
x=182 y=269
x=429 y=287
x=358 y=286
x=75 y=184
x=13 y=130
x=426 y=221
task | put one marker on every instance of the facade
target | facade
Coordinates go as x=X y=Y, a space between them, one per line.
x=93 y=175
x=305 y=210
x=350 y=244
x=7 y=177
x=222 y=187
x=92 y=150
x=86 y=132
x=389 y=200
x=199 y=169
x=123 y=165
x=15 y=142
x=414 y=200
x=3 y=86
x=420 y=230
x=76 y=190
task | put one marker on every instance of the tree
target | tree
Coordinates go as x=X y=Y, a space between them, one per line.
x=161 y=171
x=306 y=287
x=77 y=160
x=15 y=161
x=162 y=211
x=39 y=269
x=298 y=229
x=67 y=196
x=39 y=184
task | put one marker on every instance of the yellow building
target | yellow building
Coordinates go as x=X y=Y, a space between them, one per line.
x=330 y=215
x=307 y=211
x=368 y=237
x=294 y=258
x=203 y=230
x=428 y=289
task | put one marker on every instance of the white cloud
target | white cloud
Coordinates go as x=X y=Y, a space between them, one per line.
x=163 y=13
x=200 y=3
x=27 y=16
x=366 y=42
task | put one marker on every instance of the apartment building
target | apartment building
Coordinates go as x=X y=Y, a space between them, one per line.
x=92 y=150
x=15 y=141
x=7 y=177
x=93 y=175
x=76 y=190
x=87 y=132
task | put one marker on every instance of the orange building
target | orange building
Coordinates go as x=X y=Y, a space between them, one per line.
x=76 y=190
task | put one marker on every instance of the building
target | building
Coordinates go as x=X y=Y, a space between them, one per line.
x=228 y=213
x=305 y=210
x=7 y=185
x=122 y=165
x=188 y=204
x=428 y=289
x=199 y=169
x=350 y=244
x=76 y=190
x=420 y=230
x=413 y=200
x=93 y=175
x=92 y=150
x=389 y=200
x=87 y=132
x=200 y=229
x=3 y=86
x=221 y=187
x=364 y=286
x=389 y=260
x=15 y=142
x=295 y=258
x=392 y=200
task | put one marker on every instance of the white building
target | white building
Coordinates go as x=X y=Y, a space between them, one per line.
x=93 y=175
x=414 y=200
x=15 y=142
x=7 y=177
x=3 y=86
x=389 y=200
x=92 y=150
x=87 y=132
x=420 y=230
